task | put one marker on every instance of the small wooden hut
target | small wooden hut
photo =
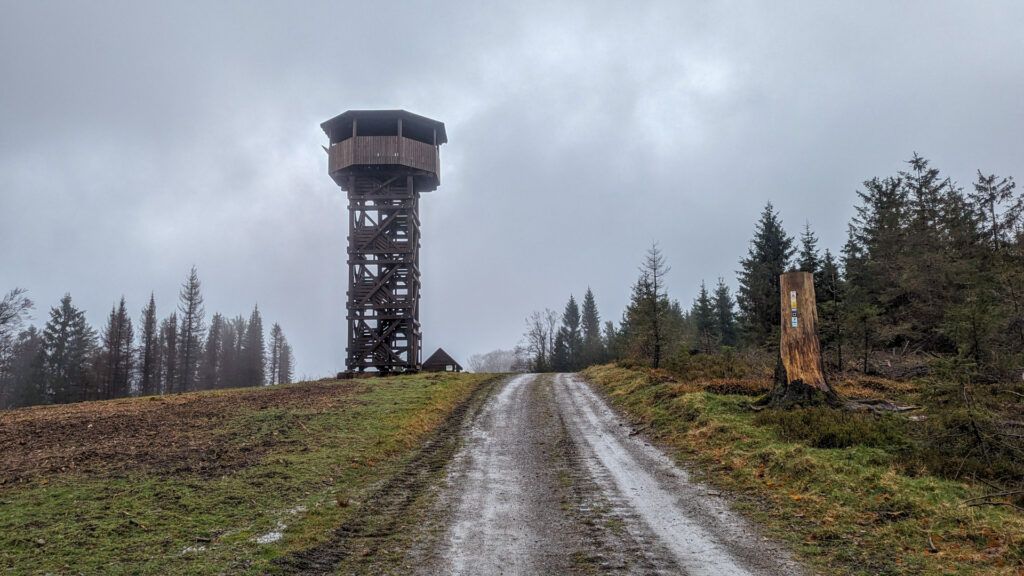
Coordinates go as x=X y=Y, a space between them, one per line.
x=440 y=361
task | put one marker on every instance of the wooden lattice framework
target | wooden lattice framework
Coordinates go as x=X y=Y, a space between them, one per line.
x=384 y=159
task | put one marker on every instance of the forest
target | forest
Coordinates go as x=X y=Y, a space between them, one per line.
x=930 y=270
x=923 y=303
x=69 y=361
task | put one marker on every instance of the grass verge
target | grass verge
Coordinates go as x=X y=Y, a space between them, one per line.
x=845 y=498
x=302 y=458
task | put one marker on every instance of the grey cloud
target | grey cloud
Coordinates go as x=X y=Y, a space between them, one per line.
x=137 y=139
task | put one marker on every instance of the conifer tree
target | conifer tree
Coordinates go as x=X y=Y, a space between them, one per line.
x=149 y=351
x=286 y=365
x=705 y=320
x=169 y=354
x=830 y=306
x=767 y=258
x=649 y=316
x=277 y=344
x=560 y=352
x=725 y=314
x=254 y=351
x=190 y=304
x=116 y=355
x=68 y=344
x=809 y=257
x=611 y=340
x=994 y=199
x=210 y=364
x=593 y=347
x=232 y=373
x=573 y=338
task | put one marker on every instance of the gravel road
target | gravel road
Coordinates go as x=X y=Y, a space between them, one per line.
x=549 y=480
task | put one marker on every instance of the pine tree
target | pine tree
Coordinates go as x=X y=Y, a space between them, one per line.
x=593 y=347
x=190 y=304
x=725 y=314
x=254 y=351
x=573 y=336
x=169 y=354
x=767 y=258
x=116 y=355
x=68 y=344
x=210 y=364
x=705 y=320
x=149 y=351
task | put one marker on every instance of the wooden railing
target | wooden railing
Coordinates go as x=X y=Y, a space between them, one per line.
x=382 y=150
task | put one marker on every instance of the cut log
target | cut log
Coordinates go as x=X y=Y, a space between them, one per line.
x=800 y=372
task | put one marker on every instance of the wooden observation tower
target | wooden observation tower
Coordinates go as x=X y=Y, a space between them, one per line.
x=384 y=159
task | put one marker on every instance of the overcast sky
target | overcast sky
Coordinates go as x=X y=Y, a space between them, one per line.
x=140 y=138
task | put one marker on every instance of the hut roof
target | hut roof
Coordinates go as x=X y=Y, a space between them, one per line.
x=440 y=358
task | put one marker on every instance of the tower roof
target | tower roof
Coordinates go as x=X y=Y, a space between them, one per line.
x=342 y=123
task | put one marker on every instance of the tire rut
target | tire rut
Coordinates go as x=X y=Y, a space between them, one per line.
x=373 y=536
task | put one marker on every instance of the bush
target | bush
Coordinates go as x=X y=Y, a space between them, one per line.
x=822 y=427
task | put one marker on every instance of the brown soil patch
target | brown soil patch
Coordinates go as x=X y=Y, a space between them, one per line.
x=167 y=435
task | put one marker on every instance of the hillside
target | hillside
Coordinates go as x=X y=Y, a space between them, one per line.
x=234 y=481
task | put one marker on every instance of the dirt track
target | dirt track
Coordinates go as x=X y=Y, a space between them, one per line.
x=550 y=481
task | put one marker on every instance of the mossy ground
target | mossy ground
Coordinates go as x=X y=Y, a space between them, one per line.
x=313 y=462
x=839 y=488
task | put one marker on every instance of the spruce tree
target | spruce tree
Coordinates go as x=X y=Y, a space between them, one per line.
x=210 y=364
x=610 y=338
x=994 y=199
x=830 y=306
x=254 y=351
x=560 y=352
x=190 y=304
x=573 y=338
x=116 y=355
x=725 y=314
x=68 y=344
x=767 y=258
x=169 y=354
x=705 y=320
x=149 y=351
x=277 y=343
x=286 y=364
x=593 y=347
x=809 y=259
x=232 y=374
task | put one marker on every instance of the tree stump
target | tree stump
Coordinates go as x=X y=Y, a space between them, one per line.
x=799 y=371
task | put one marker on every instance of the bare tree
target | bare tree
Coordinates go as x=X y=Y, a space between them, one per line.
x=493 y=361
x=14 y=309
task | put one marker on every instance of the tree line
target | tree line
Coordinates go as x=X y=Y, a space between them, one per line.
x=69 y=361
x=928 y=267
